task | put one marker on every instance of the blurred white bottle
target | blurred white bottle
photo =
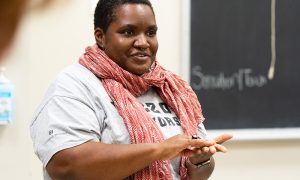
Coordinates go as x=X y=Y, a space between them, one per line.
x=6 y=99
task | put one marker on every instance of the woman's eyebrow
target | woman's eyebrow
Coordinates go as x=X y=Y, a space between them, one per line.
x=135 y=26
x=128 y=25
x=153 y=27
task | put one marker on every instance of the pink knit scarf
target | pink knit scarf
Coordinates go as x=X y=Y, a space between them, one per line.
x=123 y=87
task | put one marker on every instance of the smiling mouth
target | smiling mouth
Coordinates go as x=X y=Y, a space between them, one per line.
x=141 y=57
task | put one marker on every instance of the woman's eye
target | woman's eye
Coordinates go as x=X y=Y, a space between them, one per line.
x=127 y=32
x=151 y=33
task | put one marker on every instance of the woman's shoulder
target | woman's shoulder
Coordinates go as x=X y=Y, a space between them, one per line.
x=75 y=72
x=76 y=82
x=76 y=77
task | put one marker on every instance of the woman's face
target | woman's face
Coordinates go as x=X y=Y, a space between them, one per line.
x=130 y=39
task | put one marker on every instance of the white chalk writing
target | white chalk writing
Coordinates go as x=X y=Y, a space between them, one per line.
x=241 y=79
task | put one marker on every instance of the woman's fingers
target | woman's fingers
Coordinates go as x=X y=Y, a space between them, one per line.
x=205 y=149
x=223 y=138
x=220 y=148
x=200 y=152
x=199 y=143
x=186 y=146
x=212 y=149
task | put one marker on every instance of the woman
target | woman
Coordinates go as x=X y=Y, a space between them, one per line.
x=118 y=114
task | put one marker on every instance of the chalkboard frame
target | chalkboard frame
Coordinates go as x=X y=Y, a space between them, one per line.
x=239 y=134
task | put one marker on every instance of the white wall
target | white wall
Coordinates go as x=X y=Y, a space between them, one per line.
x=49 y=40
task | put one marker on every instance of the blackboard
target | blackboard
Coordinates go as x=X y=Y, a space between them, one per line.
x=232 y=46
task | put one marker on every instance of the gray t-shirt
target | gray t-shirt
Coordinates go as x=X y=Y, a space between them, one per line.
x=77 y=109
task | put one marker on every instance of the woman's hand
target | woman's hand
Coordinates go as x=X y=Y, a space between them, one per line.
x=182 y=145
x=204 y=153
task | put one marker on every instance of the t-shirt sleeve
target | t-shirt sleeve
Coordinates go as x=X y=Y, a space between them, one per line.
x=63 y=123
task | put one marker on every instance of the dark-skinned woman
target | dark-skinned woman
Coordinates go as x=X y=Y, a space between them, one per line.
x=117 y=114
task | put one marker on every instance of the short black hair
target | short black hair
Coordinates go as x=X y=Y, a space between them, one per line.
x=104 y=12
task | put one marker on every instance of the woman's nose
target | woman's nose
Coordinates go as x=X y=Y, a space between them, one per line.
x=141 y=42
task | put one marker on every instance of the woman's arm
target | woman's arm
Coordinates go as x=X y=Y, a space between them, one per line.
x=93 y=160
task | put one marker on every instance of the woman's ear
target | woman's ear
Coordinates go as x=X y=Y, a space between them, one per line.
x=100 y=37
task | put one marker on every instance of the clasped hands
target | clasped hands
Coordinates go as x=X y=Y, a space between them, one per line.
x=198 y=150
x=204 y=149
